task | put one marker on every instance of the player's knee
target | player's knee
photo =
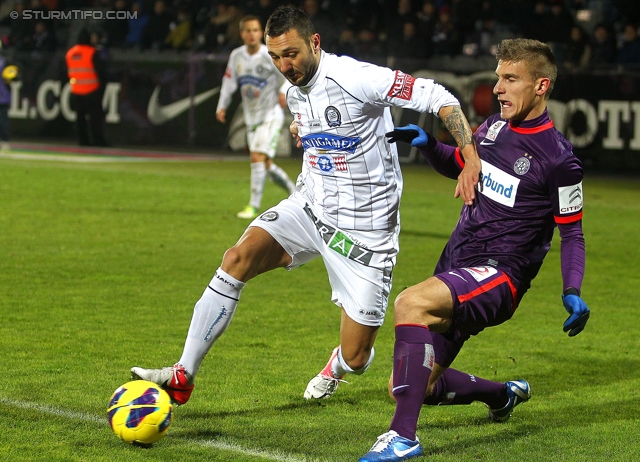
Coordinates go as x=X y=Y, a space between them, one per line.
x=405 y=304
x=237 y=263
x=232 y=257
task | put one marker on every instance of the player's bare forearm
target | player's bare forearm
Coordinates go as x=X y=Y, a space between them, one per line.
x=457 y=124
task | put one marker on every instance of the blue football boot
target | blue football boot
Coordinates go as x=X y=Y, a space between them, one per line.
x=392 y=447
x=518 y=392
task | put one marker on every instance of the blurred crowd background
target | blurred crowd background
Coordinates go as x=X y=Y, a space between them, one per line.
x=584 y=34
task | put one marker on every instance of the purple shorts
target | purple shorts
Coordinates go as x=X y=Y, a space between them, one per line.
x=483 y=296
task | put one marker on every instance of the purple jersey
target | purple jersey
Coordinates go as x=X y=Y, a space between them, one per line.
x=5 y=91
x=530 y=182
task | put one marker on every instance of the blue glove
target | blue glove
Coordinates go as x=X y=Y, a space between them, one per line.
x=409 y=134
x=579 y=314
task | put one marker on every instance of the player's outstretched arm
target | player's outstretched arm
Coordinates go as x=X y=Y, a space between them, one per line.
x=457 y=124
x=572 y=263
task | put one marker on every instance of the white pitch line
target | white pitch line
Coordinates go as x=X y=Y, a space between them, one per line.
x=85 y=158
x=280 y=457
x=67 y=158
x=221 y=445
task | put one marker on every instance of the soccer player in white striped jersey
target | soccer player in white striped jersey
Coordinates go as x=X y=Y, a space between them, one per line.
x=346 y=205
x=250 y=69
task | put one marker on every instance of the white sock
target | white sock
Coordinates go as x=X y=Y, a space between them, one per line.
x=258 y=175
x=339 y=366
x=211 y=316
x=280 y=177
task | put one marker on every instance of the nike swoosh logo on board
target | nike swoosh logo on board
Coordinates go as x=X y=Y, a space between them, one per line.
x=483 y=143
x=158 y=114
x=405 y=452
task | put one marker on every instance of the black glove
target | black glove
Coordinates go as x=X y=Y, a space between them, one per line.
x=411 y=133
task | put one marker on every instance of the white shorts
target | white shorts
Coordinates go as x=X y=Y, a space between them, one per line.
x=359 y=264
x=263 y=138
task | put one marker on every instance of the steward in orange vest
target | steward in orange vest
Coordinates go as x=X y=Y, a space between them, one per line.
x=86 y=70
x=81 y=70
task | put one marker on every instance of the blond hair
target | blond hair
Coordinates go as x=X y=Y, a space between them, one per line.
x=536 y=56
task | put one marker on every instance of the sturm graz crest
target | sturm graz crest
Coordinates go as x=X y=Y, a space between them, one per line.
x=334 y=119
x=269 y=216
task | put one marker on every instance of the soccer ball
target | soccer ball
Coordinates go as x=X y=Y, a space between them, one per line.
x=9 y=73
x=140 y=412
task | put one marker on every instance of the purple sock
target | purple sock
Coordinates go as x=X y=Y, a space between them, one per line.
x=456 y=387
x=413 y=360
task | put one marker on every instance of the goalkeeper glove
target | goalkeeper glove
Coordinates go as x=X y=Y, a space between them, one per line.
x=409 y=134
x=578 y=312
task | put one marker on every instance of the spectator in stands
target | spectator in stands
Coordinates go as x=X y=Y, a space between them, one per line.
x=263 y=9
x=536 y=27
x=37 y=5
x=98 y=42
x=158 y=26
x=21 y=30
x=465 y=14
x=43 y=39
x=6 y=7
x=628 y=9
x=559 y=24
x=408 y=47
x=136 y=25
x=480 y=40
x=346 y=45
x=361 y=14
x=446 y=38
x=328 y=27
x=427 y=19
x=507 y=14
x=369 y=48
x=179 y=37
x=629 y=51
x=578 y=51
x=603 y=48
x=221 y=32
x=395 y=29
x=560 y=21
x=116 y=28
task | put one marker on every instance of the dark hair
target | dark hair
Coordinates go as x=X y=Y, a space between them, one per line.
x=84 y=38
x=286 y=18
x=537 y=57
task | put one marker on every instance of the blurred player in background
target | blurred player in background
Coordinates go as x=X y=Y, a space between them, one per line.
x=8 y=74
x=531 y=183
x=251 y=69
x=345 y=208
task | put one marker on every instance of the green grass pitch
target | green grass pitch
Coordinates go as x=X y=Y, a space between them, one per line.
x=102 y=262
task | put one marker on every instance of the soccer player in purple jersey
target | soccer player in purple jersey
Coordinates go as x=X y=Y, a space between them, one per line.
x=531 y=182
